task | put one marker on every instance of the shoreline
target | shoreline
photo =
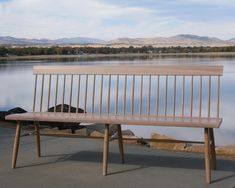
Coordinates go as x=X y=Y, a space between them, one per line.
x=90 y=56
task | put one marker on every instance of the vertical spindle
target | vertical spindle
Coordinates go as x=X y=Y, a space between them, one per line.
x=133 y=95
x=124 y=96
x=117 y=85
x=109 y=85
x=191 y=98
x=141 y=93
x=218 y=96
x=63 y=96
x=56 y=92
x=35 y=93
x=78 y=95
x=149 y=97
x=174 y=99
x=85 y=97
x=71 y=93
x=209 y=96
x=200 y=97
x=158 y=92
x=93 y=93
x=101 y=92
x=42 y=91
x=166 y=95
x=49 y=93
x=183 y=88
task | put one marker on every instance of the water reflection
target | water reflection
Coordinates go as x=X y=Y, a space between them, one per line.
x=16 y=87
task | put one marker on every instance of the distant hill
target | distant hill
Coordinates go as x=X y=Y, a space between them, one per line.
x=63 y=41
x=183 y=40
x=178 y=40
x=79 y=40
x=232 y=40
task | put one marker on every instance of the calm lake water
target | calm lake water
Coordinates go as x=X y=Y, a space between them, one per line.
x=16 y=89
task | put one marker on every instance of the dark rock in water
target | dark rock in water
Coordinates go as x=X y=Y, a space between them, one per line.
x=61 y=125
x=16 y=110
x=2 y=115
x=65 y=109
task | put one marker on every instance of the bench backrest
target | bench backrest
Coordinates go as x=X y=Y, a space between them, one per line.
x=166 y=90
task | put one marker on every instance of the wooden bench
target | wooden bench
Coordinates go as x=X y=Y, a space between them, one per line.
x=145 y=95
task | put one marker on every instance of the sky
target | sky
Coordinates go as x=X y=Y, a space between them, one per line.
x=110 y=19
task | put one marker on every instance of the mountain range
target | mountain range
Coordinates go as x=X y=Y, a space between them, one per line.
x=178 y=40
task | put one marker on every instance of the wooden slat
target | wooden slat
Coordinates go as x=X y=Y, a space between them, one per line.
x=166 y=96
x=85 y=96
x=117 y=86
x=183 y=88
x=158 y=92
x=191 y=97
x=49 y=93
x=200 y=97
x=78 y=95
x=101 y=92
x=174 y=99
x=149 y=97
x=218 y=96
x=133 y=95
x=42 y=92
x=71 y=93
x=63 y=96
x=69 y=135
x=128 y=119
x=209 y=96
x=141 y=93
x=93 y=93
x=124 y=96
x=56 y=91
x=109 y=85
x=130 y=69
x=35 y=93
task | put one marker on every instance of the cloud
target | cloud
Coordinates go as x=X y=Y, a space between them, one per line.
x=108 y=19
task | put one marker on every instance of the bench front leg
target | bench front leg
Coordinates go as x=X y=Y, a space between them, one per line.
x=120 y=142
x=207 y=147
x=37 y=132
x=16 y=145
x=106 y=150
x=213 y=153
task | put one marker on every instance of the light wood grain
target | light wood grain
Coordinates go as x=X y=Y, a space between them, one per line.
x=106 y=150
x=143 y=120
x=16 y=145
x=130 y=69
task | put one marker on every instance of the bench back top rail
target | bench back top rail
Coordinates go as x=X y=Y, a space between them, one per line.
x=166 y=90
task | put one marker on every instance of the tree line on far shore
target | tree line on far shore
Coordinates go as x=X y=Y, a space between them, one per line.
x=58 y=50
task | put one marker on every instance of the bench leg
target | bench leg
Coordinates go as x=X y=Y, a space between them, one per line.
x=16 y=145
x=207 y=155
x=120 y=142
x=106 y=150
x=213 y=154
x=37 y=131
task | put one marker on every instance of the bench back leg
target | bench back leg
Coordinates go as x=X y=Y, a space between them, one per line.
x=213 y=154
x=16 y=145
x=37 y=132
x=120 y=142
x=207 y=155
x=106 y=150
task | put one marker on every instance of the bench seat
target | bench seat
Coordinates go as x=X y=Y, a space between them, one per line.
x=196 y=122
